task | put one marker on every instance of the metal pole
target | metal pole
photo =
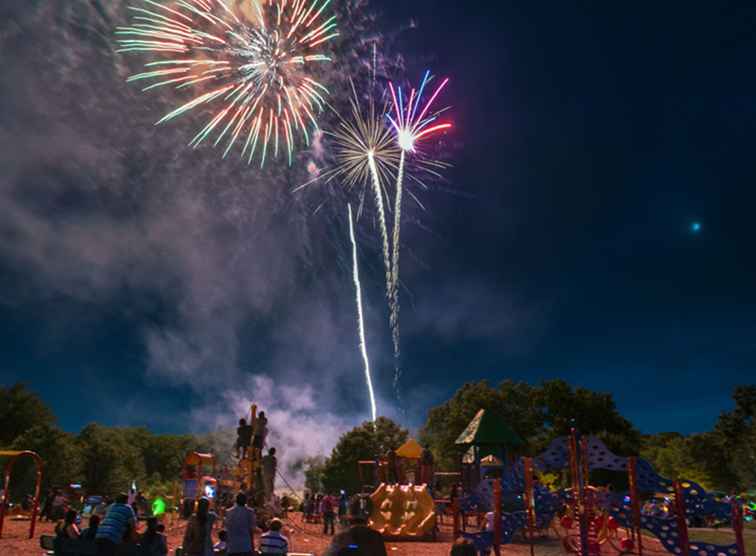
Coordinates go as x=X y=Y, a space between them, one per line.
x=497 y=516
x=527 y=465
x=37 y=489
x=682 y=523
x=632 y=476
x=737 y=526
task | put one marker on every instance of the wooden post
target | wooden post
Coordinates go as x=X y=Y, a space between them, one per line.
x=497 y=516
x=737 y=526
x=527 y=465
x=632 y=479
x=682 y=523
x=6 y=483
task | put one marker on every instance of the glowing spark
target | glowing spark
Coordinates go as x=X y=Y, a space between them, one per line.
x=360 y=319
x=251 y=70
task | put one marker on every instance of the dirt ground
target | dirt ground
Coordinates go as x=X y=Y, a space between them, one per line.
x=308 y=538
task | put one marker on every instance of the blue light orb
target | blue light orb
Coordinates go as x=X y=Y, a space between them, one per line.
x=696 y=227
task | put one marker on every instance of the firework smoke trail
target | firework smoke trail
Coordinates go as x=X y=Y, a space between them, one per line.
x=409 y=127
x=250 y=62
x=394 y=289
x=378 y=193
x=365 y=154
x=360 y=318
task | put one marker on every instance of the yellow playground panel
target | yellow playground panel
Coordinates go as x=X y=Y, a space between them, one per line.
x=403 y=511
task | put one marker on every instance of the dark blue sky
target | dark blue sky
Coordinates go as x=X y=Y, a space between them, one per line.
x=588 y=139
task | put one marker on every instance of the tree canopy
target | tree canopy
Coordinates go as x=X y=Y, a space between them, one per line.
x=21 y=410
x=536 y=413
x=366 y=442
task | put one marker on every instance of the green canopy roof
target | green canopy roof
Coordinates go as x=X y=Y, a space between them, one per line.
x=488 y=429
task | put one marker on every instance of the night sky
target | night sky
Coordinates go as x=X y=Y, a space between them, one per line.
x=596 y=226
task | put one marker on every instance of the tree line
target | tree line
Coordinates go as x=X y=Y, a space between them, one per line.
x=105 y=460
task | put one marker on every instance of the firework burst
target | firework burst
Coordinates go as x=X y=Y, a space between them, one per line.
x=251 y=63
x=411 y=123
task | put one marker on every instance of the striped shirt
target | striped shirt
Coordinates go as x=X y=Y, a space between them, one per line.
x=118 y=519
x=274 y=542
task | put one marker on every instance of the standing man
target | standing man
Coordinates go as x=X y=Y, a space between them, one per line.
x=241 y=522
x=269 y=465
x=328 y=513
x=118 y=522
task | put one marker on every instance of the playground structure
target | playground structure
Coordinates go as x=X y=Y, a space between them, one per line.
x=403 y=512
x=592 y=516
x=401 y=509
x=198 y=480
x=4 y=503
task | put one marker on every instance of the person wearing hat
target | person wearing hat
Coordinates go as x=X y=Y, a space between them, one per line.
x=359 y=539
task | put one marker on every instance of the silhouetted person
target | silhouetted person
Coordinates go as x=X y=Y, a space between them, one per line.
x=241 y=523
x=152 y=542
x=198 y=535
x=269 y=466
x=243 y=438
x=359 y=539
x=90 y=532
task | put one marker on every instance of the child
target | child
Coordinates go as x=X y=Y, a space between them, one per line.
x=243 y=438
x=220 y=547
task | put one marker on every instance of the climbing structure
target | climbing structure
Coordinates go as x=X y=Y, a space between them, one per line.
x=403 y=512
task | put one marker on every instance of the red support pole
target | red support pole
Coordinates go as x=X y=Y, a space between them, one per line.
x=737 y=526
x=632 y=476
x=574 y=464
x=37 y=489
x=497 y=516
x=527 y=465
x=6 y=488
x=682 y=523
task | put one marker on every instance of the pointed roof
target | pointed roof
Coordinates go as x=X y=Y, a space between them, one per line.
x=410 y=450
x=487 y=428
x=490 y=461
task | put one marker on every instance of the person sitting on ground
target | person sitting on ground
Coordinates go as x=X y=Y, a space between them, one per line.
x=273 y=542
x=118 y=523
x=220 y=547
x=359 y=539
x=90 y=532
x=261 y=431
x=152 y=542
x=463 y=547
x=243 y=439
x=68 y=529
x=241 y=523
x=198 y=537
